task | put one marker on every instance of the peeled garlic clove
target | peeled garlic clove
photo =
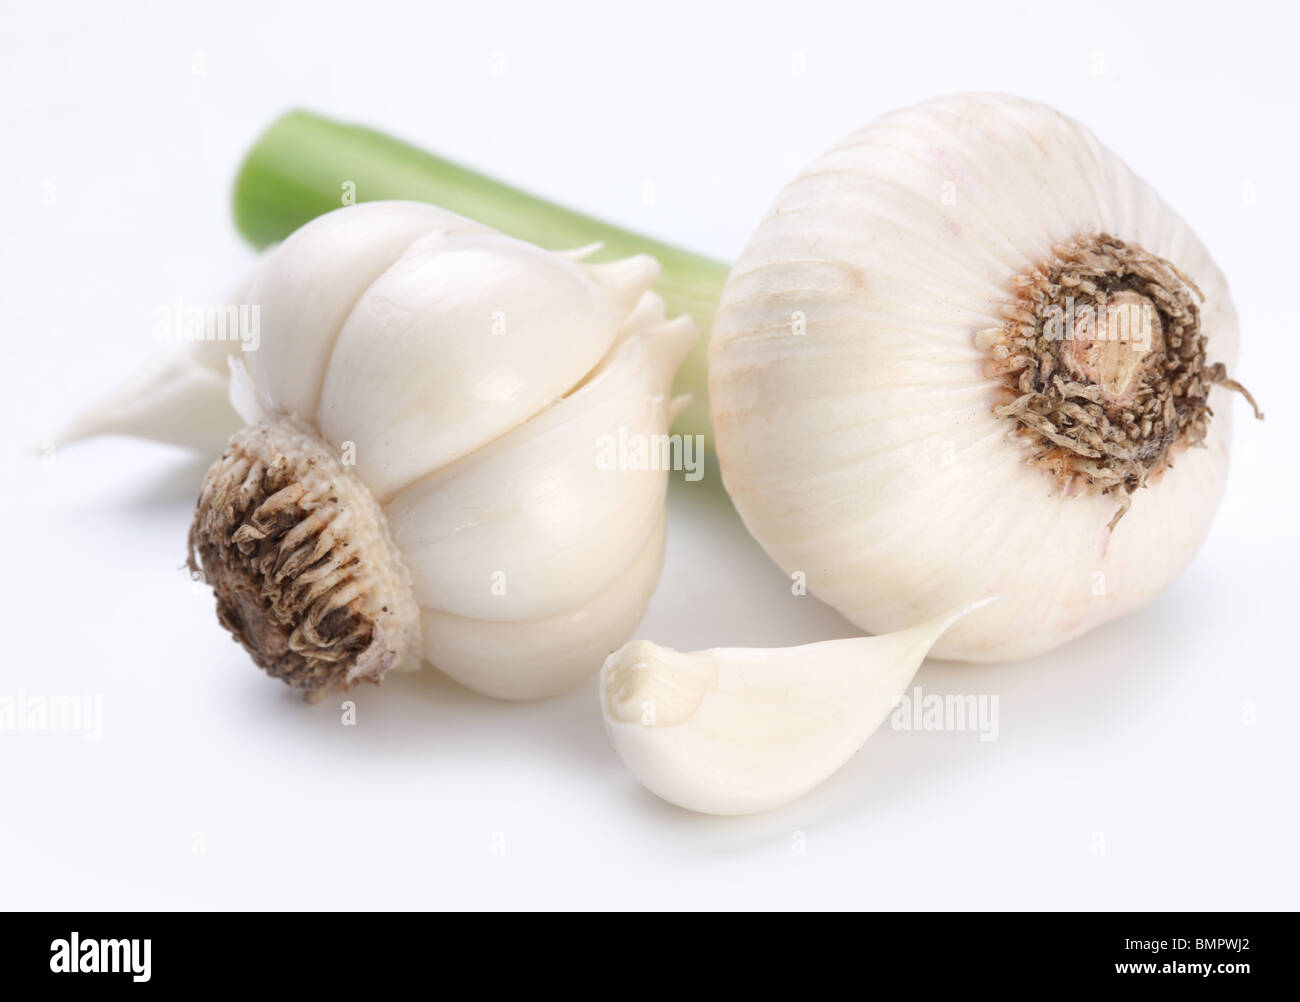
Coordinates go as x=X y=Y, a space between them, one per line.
x=740 y=730
x=439 y=449
x=910 y=404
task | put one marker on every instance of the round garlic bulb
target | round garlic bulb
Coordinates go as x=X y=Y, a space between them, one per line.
x=970 y=353
x=428 y=405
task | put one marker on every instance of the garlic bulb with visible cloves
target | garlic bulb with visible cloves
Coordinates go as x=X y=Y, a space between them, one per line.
x=421 y=475
x=961 y=345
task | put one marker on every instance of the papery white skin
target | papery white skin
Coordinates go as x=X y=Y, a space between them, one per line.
x=480 y=440
x=741 y=730
x=865 y=452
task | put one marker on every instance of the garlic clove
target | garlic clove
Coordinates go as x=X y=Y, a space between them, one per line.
x=539 y=658
x=540 y=520
x=490 y=331
x=307 y=287
x=180 y=399
x=740 y=730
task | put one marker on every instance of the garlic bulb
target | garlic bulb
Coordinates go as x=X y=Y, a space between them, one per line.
x=961 y=345
x=736 y=730
x=420 y=475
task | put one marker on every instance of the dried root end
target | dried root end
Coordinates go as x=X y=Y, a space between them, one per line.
x=298 y=553
x=1104 y=362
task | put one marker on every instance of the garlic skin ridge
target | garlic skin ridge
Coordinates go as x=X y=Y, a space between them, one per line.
x=419 y=476
x=741 y=730
x=853 y=402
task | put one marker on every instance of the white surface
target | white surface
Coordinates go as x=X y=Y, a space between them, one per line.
x=1127 y=772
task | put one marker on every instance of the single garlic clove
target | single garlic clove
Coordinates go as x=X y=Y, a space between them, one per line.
x=740 y=730
x=309 y=285
x=549 y=509
x=539 y=658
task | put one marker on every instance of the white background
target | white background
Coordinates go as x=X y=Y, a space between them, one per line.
x=1127 y=773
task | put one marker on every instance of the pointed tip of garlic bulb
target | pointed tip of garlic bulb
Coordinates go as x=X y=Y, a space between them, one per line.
x=737 y=730
x=180 y=399
x=625 y=280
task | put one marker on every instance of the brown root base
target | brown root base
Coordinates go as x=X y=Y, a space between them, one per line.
x=272 y=540
x=1095 y=434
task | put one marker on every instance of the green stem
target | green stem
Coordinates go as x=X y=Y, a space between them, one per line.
x=303 y=165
